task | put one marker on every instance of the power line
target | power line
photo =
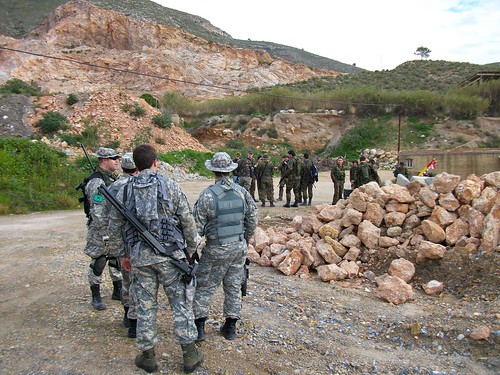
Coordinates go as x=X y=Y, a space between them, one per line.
x=227 y=88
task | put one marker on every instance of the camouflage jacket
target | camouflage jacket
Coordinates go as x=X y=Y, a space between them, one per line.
x=204 y=212
x=306 y=172
x=264 y=170
x=153 y=197
x=97 y=228
x=292 y=172
x=337 y=173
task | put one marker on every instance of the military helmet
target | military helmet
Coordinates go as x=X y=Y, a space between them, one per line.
x=127 y=161
x=106 y=153
x=221 y=162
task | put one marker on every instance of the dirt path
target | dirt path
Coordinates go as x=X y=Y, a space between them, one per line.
x=290 y=325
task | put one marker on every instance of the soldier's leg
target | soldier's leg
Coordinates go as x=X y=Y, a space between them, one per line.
x=310 y=191
x=270 y=192
x=95 y=277
x=288 y=194
x=210 y=274
x=116 y=277
x=146 y=287
x=232 y=286
x=252 y=187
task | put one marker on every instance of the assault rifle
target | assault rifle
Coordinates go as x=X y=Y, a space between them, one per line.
x=189 y=269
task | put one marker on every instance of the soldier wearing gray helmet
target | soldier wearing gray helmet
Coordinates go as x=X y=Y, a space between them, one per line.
x=97 y=228
x=226 y=215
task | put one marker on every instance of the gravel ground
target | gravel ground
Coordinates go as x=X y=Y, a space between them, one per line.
x=290 y=325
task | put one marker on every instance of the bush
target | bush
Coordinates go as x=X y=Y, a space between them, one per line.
x=193 y=161
x=52 y=122
x=151 y=100
x=162 y=120
x=16 y=86
x=71 y=99
x=235 y=144
x=134 y=109
x=272 y=133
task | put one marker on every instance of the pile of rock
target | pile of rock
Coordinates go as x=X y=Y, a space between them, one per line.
x=416 y=222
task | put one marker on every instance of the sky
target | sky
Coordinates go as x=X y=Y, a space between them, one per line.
x=374 y=35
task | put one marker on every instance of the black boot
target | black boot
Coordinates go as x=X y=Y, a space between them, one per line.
x=263 y=204
x=287 y=204
x=96 y=297
x=126 y=321
x=271 y=204
x=228 y=330
x=132 y=330
x=200 y=326
x=147 y=360
x=309 y=203
x=117 y=290
x=295 y=204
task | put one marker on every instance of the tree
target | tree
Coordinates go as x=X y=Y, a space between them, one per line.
x=423 y=52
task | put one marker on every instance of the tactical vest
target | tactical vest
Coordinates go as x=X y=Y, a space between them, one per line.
x=149 y=203
x=229 y=215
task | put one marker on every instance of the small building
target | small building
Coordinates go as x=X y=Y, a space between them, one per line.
x=459 y=162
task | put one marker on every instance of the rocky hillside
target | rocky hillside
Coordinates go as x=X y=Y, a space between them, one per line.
x=106 y=43
x=22 y=16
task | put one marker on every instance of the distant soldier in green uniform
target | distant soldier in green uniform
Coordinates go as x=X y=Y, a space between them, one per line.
x=337 y=175
x=264 y=173
x=282 y=168
x=353 y=174
x=364 y=171
x=401 y=169
x=374 y=171
x=292 y=176
x=307 y=180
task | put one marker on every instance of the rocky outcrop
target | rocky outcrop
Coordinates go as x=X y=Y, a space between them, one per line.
x=337 y=240
x=95 y=38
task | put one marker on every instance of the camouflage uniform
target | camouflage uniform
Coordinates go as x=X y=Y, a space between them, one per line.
x=222 y=262
x=150 y=269
x=306 y=180
x=245 y=173
x=364 y=173
x=292 y=176
x=97 y=228
x=353 y=176
x=337 y=175
x=264 y=173
x=401 y=169
x=282 y=182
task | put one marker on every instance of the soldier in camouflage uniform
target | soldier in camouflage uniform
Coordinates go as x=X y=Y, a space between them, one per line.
x=353 y=174
x=282 y=168
x=401 y=169
x=306 y=180
x=292 y=177
x=226 y=215
x=245 y=171
x=264 y=172
x=128 y=300
x=364 y=171
x=337 y=175
x=97 y=229
x=156 y=201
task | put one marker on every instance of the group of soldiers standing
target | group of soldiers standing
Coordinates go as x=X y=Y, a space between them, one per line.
x=296 y=175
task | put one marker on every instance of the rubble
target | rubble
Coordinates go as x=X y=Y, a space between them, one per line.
x=419 y=223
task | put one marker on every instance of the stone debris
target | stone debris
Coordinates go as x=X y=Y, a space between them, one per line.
x=420 y=223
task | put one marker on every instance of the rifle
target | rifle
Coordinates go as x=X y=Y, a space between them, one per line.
x=88 y=157
x=189 y=269
x=245 y=281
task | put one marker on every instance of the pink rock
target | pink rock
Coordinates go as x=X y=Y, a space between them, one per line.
x=433 y=288
x=480 y=333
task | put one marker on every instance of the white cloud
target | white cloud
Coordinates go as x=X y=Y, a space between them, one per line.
x=373 y=34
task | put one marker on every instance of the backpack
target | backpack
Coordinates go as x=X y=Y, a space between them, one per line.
x=85 y=199
x=314 y=173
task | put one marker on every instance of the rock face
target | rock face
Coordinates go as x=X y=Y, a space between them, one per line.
x=81 y=31
x=336 y=241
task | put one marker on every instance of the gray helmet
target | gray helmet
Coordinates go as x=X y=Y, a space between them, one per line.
x=106 y=153
x=127 y=161
x=221 y=162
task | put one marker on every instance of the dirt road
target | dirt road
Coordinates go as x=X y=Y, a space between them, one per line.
x=290 y=325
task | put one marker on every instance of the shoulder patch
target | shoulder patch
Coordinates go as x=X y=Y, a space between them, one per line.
x=98 y=198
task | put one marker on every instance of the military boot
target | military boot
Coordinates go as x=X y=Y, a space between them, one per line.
x=309 y=203
x=263 y=204
x=117 y=290
x=287 y=204
x=147 y=360
x=295 y=204
x=200 y=326
x=96 y=297
x=228 y=330
x=126 y=321
x=192 y=357
x=271 y=204
x=132 y=330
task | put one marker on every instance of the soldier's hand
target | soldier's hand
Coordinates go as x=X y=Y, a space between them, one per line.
x=126 y=264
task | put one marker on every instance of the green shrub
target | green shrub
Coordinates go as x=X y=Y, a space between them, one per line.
x=17 y=86
x=151 y=100
x=163 y=120
x=235 y=144
x=272 y=133
x=35 y=177
x=52 y=122
x=134 y=109
x=192 y=161
x=71 y=99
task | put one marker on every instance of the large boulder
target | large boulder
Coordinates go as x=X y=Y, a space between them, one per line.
x=429 y=251
x=394 y=290
x=368 y=234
